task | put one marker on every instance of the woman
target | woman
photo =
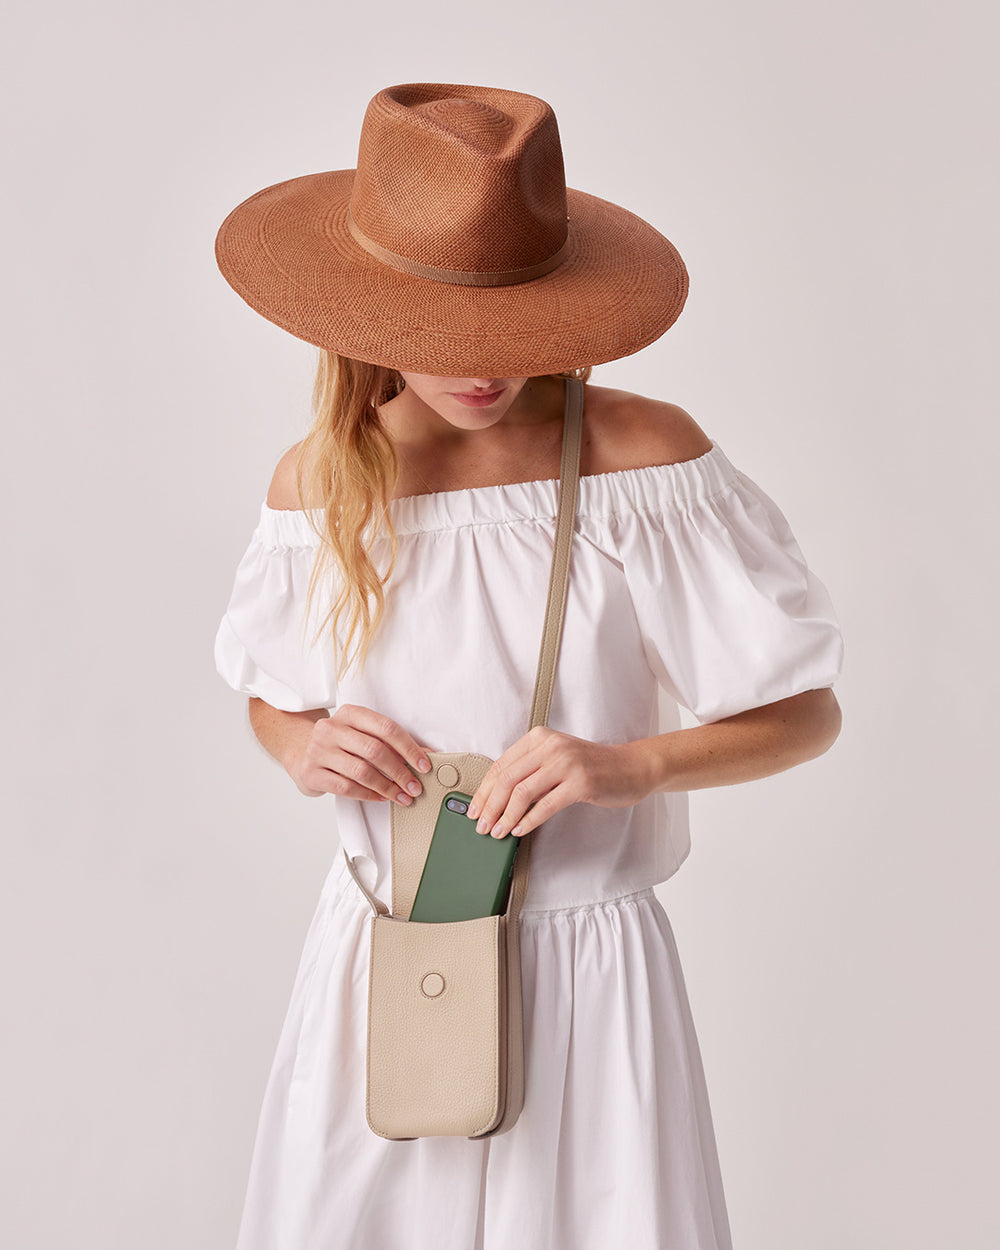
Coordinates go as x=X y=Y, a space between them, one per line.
x=390 y=604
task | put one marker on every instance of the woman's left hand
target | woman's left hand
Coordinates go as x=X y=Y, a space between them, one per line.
x=546 y=771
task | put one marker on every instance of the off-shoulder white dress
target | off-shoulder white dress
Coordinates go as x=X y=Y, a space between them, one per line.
x=685 y=576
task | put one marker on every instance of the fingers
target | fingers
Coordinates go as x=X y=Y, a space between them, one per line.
x=378 y=726
x=542 y=773
x=521 y=790
x=520 y=807
x=370 y=762
x=358 y=753
x=552 y=801
x=511 y=771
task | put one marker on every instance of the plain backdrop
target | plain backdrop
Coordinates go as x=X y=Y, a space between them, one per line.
x=826 y=171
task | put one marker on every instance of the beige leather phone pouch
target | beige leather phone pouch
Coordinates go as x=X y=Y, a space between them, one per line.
x=445 y=1047
x=436 y=1027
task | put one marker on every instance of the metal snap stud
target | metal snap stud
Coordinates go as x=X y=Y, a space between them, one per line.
x=432 y=985
x=447 y=774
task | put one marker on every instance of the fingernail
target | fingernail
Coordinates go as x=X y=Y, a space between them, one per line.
x=414 y=787
x=404 y=799
x=516 y=831
x=424 y=764
x=473 y=811
x=481 y=827
x=498 y=832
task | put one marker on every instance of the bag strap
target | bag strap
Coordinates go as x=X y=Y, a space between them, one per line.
x=555 y=607
x=569 y=481
x=569 y=478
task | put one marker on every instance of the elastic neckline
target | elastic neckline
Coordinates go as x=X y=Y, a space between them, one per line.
x=651 y=488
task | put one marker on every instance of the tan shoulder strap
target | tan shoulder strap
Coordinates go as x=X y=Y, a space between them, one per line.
x=569 y=479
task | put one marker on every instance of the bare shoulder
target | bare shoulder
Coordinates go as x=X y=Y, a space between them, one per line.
x=626 y=431
x=283 y=493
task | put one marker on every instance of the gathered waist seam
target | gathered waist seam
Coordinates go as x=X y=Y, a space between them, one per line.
x=341 y=884
x=632 y=896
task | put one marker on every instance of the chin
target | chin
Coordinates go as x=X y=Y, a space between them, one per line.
x=470 y=419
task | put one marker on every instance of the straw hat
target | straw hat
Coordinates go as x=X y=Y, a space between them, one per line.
x=455 y=248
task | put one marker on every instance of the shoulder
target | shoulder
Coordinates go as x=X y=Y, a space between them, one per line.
x=626 y=431
x=283 y=493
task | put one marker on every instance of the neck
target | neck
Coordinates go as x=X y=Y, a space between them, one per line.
x=524 y=445
x=539 y=403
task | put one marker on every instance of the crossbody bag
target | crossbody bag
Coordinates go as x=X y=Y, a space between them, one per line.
x=445 y=1042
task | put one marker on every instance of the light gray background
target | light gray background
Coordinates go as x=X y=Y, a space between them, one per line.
x=825 y=172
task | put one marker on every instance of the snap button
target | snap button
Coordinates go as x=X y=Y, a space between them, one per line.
x=433 y=984
x=447 y=774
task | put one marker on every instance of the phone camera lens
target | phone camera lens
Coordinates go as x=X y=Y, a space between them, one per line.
x=457 y=805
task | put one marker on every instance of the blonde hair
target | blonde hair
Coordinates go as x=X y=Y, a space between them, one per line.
x=353 y=469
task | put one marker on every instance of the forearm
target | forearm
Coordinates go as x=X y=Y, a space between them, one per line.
x=283 y=735
x=752 y=744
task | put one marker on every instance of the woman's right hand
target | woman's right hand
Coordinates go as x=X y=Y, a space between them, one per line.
x=358 y=754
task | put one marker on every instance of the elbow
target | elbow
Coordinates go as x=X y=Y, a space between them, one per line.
x=823 y=725
x=806 y=725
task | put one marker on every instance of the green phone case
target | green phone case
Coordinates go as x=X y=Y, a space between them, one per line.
x=466 y=874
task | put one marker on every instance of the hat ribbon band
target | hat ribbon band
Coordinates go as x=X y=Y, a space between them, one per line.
x=460 y=277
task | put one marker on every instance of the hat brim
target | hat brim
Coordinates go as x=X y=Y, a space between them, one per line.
x=288 y=253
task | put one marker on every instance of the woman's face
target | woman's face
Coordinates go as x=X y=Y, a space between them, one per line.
x=467 y=403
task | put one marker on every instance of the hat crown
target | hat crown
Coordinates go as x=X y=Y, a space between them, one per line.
x=460 y=177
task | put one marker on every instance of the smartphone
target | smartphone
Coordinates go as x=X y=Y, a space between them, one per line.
x=466 y=874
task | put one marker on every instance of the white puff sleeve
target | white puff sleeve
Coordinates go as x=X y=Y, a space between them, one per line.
x=730 y=614
x=263 y=647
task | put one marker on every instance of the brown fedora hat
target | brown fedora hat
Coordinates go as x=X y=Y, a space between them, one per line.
x=455 y=247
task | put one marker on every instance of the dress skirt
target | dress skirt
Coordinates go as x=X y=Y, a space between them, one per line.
x=614 y=1147
x=687 y=581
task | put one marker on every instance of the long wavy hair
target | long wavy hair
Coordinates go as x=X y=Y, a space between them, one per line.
x=348 y=466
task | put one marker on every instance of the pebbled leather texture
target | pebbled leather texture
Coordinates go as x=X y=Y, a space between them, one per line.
x=435 y=1061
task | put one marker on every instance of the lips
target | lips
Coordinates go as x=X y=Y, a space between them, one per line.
x=478 y=399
